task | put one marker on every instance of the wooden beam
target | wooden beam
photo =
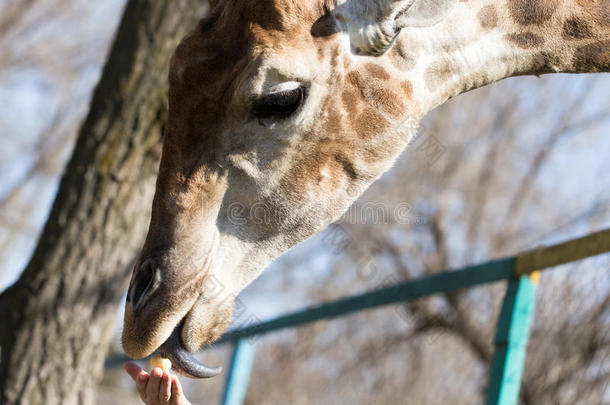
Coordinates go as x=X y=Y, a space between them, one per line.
x=570 y=251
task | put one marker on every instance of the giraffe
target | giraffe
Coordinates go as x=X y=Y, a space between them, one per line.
x=282 y=112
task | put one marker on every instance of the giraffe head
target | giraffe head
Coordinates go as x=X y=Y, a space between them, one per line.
x=281 y=113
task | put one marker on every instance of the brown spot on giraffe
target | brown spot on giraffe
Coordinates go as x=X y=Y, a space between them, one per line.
x=439 y=72
x=328 y=162
x=488 y=17
x=598 y=10
x=333 y=121
x=369 y=124
x=333 y=56
x=528 y=12
x=594 y=57
x=407 y=88
x=576 y=28
x=388 y=101
x=541 y=62
x=373 y=89
x=525 y=40
x=354 y=78
x=321 y=54
x=376 y=71
x=350 y=99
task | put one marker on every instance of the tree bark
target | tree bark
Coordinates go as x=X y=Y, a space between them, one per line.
x=57 y=318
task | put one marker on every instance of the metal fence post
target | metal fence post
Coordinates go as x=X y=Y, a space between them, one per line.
x=511 y=339
x=239 y=372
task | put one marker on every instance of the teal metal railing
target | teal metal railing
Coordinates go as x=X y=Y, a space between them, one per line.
x=512 y=331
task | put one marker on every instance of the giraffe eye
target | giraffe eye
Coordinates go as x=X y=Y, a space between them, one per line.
x=279 y=104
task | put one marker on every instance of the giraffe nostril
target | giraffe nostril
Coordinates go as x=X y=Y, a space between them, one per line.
x=146 y=280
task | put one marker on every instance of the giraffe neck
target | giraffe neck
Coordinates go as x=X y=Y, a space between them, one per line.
x=481 y=42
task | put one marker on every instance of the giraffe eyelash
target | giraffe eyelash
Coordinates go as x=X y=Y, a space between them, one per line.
x=280 y=104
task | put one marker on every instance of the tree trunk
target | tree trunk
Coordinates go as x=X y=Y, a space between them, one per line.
x=57 y=318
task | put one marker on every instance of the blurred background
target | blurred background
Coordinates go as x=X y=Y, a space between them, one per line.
x=499 y=170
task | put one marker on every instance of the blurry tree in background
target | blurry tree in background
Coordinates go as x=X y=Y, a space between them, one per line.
x=60 y=313
x=492 y=173
x=47 y=73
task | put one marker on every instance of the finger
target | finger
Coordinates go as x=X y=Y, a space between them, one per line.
x=176 y=390
x=152 y=390
x=133 y=370
x=165 y=388
x=141 y=384
x=139 y=376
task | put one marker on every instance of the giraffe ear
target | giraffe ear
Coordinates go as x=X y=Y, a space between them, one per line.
x=424 y=13
x=374 y=25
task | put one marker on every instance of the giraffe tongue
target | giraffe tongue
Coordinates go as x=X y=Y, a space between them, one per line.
x=183 y=361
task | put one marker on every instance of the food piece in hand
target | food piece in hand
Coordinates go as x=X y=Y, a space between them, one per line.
x=163 y=363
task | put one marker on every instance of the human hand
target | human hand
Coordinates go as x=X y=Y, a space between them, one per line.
x=157 y=388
